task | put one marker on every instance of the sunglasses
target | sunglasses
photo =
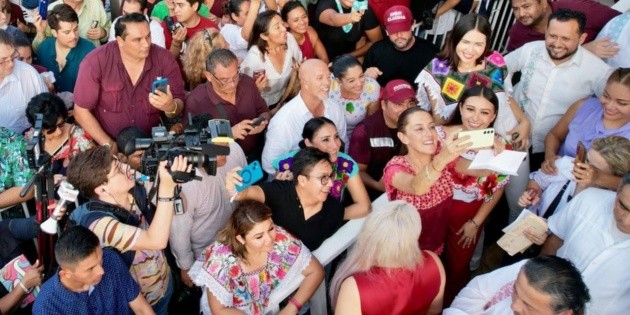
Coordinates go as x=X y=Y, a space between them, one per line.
x=55 y=127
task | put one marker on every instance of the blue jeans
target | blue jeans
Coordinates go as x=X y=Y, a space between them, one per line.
x=161 y=307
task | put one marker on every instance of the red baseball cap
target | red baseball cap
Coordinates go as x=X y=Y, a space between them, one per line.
x=398 y=91
x=398 y=18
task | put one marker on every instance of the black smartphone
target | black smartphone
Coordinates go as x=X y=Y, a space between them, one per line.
x=94 y=24
x=258 y=120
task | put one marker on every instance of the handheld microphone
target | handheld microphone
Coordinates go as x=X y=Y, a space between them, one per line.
x=68 y=194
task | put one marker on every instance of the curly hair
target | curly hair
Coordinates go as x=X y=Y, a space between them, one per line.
x=198 y=49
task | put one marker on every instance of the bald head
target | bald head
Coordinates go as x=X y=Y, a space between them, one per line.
x=314 y=79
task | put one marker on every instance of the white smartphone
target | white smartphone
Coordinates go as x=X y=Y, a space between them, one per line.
x=481 y=138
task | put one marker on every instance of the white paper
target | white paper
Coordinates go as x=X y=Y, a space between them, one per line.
x=514 y=239
x=507 y=162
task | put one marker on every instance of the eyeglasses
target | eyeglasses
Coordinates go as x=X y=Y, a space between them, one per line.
x=324 y=179
x=209 y=37
x=54 y=128
x=224 y=82
x=13 y=56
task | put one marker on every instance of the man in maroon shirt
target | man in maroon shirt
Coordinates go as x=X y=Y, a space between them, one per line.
x=186 y=15
x=532 y=17
x=374 y=141
x=114 y=84
x=232 y=96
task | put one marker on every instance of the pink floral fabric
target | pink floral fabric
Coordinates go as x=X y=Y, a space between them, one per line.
x=222 y=274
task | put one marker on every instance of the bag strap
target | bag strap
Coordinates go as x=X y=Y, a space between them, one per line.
x=554 y=204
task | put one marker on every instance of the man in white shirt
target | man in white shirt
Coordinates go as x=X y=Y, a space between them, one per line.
x=593 y=231
x=555 y=73
x=542 y=285
x=19 y=82
x=285 y=128
x=140 y=6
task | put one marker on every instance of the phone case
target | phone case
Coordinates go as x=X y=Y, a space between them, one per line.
x=580 y=155
x=43 y=9
x=481 y=138
x=250 y=174
x=160 y=84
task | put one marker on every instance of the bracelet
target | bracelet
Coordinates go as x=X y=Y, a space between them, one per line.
x=169 y=199
x=27 y=291
x=174 y=110
x=473 y=223
x=295 y=303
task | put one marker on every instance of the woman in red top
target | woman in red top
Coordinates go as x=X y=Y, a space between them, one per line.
x=386 y=272
x=420 y=176
x=296 y=19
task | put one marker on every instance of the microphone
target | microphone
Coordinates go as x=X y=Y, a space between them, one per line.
x=68 y=194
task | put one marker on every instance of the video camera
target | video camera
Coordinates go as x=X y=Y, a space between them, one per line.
x=196 y=144
x=36 y=156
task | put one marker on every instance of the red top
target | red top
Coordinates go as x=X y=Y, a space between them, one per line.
x=399 y=291
x=190 y=32
x=432 y=206
x=308 y=52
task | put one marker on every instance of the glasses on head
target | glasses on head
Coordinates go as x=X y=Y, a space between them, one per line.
x=55 y=127
x=14 y=55
x=224 y=82
x=209 y=37
x=324 y=179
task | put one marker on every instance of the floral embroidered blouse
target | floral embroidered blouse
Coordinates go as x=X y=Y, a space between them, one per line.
x=354 y=111
x=343 y=169
x=218 y=270
x=444 y=86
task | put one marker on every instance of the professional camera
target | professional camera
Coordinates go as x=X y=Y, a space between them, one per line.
x=36 y=156
x=196 y=144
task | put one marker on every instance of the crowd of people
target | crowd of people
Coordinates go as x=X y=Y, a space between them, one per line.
x=158 y=117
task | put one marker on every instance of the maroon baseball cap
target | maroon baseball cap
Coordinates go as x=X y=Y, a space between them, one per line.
x=398 y=91
x=398 y=18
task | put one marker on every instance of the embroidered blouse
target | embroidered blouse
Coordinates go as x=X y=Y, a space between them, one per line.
x=355 y=111
x=444 y=86
x=343 y=169
x=218 y=270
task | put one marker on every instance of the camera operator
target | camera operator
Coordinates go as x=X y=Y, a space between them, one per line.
x=126 y=144
x=206 y=207
x=118 y=214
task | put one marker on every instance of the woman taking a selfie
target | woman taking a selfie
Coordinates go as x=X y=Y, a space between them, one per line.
x=251 y=257
x=421 y=176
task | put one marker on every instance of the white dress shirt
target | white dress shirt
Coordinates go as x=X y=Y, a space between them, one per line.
x=488 y=294
x=547 y=90
x=551 y=185
x=16 y=90
x=157 y=32
x=284 y=132
x=598 y=249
